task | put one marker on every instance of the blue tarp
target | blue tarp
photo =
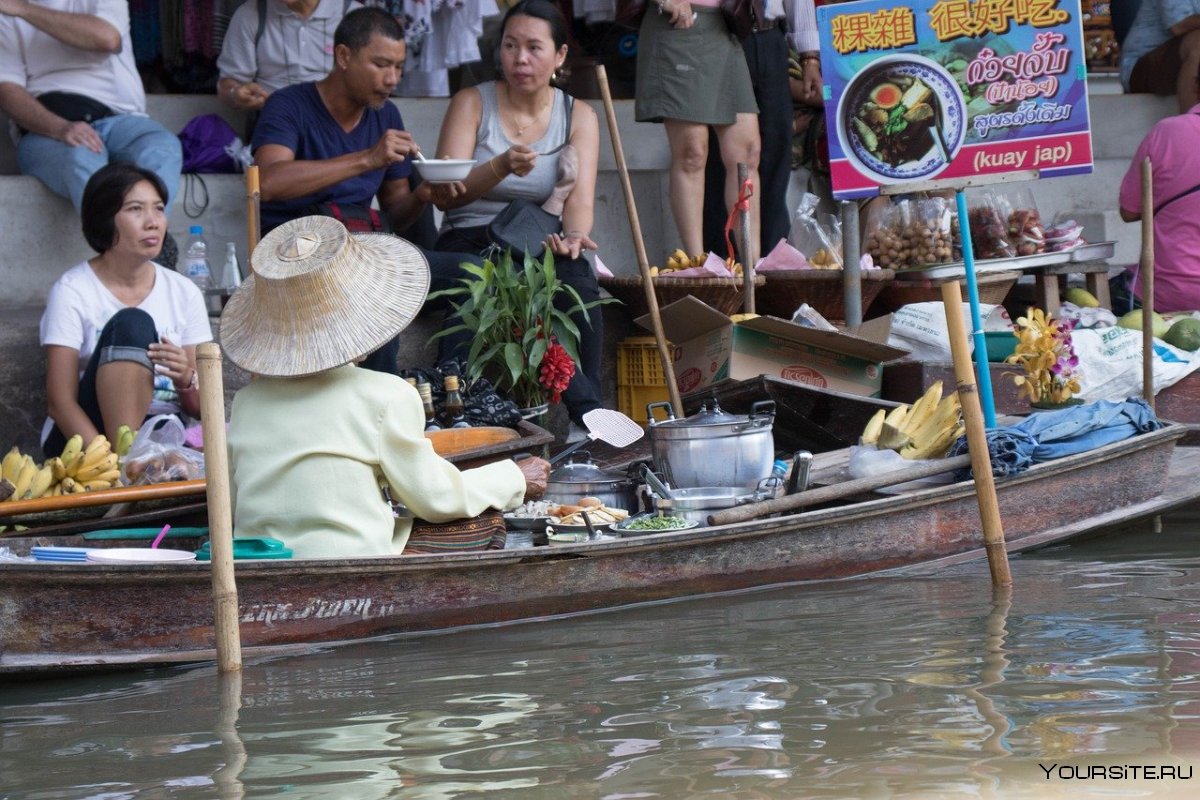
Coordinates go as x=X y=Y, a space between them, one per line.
x=1047 y=435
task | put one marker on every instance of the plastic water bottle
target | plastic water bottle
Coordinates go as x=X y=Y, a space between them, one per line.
x=195 y=259
x=231 y=273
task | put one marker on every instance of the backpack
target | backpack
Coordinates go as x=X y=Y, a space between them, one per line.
x=206 y=141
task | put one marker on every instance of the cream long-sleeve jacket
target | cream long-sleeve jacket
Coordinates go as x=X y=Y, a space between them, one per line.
x=308 y=455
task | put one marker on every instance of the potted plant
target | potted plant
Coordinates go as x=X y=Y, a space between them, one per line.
x=520 y=341
x=1044 y=351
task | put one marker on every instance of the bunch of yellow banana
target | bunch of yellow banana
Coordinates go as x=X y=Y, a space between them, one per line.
x=924 y=430
x=77 y=469
x=677 y=261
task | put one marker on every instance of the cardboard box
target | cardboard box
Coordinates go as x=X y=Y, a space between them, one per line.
x=708 y=347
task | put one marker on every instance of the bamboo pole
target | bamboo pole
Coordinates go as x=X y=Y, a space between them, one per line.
x=748 y=302
x=660 y=338
x=981 y=461
x=1147 y=276
x=253 y=195
x=220 y=508
x=102 y=497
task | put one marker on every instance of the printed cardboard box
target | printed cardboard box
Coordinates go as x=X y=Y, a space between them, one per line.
x=708 y=347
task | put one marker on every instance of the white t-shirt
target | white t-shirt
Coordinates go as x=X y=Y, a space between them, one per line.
x=80 y=305
x=40 y=63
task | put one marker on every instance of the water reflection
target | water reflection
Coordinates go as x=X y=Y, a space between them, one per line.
x=927 y=686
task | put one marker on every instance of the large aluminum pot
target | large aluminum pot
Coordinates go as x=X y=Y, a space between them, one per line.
x=697 y=503
x=581 y=477
x=713 y=448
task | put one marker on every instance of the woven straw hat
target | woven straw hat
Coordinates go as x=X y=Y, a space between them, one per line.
x=319 y=297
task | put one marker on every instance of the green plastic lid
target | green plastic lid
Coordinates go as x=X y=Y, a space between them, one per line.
x=250 y=547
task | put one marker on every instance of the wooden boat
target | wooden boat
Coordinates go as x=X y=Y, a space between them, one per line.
x=76 y=617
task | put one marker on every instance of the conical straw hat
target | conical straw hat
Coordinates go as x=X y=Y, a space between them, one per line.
x=319 y=297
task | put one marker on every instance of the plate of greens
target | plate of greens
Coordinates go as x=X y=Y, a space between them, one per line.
x=653 y=523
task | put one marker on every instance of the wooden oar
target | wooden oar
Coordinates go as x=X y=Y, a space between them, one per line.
x=981 y=458
x=452 y=441
x=824 y=494
x=253 y=227
x=220 y=508
x=103 y=497
x=1147 y=269
x=660 y=338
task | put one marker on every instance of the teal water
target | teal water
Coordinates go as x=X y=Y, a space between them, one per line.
x=922 y=687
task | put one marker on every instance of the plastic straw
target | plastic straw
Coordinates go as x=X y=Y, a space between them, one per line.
x=161 y=535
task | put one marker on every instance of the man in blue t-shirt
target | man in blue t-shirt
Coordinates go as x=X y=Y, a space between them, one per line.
x=340 y=140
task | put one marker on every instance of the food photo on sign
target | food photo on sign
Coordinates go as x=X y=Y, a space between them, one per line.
x=952 y=89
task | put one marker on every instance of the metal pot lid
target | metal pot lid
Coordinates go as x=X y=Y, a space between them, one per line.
x=585 y=471
x=711 y=414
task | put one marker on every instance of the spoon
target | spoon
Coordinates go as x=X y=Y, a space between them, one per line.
x=161 y=535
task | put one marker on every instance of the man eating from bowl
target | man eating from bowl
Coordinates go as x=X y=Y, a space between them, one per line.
x=332 y=146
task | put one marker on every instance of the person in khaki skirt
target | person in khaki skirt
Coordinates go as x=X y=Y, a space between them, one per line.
x=692 y=74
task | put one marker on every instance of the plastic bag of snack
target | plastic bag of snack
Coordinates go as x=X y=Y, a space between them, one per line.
x=1025 y=228
x=883 y=233
x=989 y=226
x=158 y=454
x=812 y=236
x=931 y=231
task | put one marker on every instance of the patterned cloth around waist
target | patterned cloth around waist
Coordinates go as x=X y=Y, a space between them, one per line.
x=485 y=532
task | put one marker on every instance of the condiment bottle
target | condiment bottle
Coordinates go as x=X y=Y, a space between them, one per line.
x=426 y=392
x=454 y=413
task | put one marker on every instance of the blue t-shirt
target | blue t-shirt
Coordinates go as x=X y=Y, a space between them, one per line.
x=296 y=118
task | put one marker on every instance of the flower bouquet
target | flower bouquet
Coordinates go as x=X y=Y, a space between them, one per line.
x=521 y=341
x=1044 y=351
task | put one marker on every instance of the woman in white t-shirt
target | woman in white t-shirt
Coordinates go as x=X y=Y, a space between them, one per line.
x=120 y=331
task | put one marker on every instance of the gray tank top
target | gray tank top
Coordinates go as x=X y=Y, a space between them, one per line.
x=491 y=142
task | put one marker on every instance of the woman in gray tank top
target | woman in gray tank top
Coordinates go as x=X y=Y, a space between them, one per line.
x=531 y=141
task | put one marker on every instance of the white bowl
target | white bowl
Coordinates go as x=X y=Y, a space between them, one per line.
x=138 y=555
x=444 y=170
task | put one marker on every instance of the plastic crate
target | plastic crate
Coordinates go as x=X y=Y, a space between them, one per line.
x=640 y=377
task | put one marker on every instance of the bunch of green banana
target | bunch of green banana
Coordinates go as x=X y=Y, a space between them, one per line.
x=125 y=436
x=922 y=431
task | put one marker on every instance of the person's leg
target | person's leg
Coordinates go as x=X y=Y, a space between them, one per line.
x=689 y=152
x=774 y=96
x=583 y=394
x=118 y=383
x=64 y=169
x=146 y=143
x=740 y=144
x=715 y=212
x=1189 y=72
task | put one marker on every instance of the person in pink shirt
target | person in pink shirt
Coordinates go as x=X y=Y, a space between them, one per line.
x=1173 y=146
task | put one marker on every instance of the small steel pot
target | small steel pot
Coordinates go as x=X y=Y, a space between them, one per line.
x=713 y=448
x=581 y=477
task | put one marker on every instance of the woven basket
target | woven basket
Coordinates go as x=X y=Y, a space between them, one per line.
x=723 y=294
x=820 y=288
x=993 y=288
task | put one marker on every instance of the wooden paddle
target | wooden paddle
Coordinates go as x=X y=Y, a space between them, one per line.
x=253 y=227
x=1147 y=269
x=452 y=441
x=102 y=497
x=824 y=494
x=639 y=244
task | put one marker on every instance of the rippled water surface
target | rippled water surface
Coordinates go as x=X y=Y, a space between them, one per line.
x=924 y=687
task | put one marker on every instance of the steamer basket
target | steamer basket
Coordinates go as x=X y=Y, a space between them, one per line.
x=820 y=288
x=723 y=294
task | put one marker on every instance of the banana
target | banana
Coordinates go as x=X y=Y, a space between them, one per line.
x=923 y=408
x=67 y=485
x=936 y=446
x=682 y=257
x=24 y=479
x=697 y=260
x=97 y=468
x=673 y=263
x=891 y=438
x=870 y=434
x=56 y=490
x=93 y=485
x=73 y=448
x=6 y=489
x=95 y=454
x=933 y=437
x=43 y=479
x=57 y=467
x=11 y=465
x=125 y=435
x=896 y=416
x=110 y=477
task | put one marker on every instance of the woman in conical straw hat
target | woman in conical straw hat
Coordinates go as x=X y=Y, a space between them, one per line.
x=315 y=437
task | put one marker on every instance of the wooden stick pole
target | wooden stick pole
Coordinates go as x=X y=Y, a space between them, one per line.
x=660 y=338
x=220 y=508
x=1147 y=270
x=253 y=226
x=743 y=174
x=981 y=460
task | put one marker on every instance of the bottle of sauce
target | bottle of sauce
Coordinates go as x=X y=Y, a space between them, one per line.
x=426 y=393
x=455 y=412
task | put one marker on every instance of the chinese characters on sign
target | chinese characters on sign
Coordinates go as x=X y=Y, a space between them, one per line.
x=944 y=89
